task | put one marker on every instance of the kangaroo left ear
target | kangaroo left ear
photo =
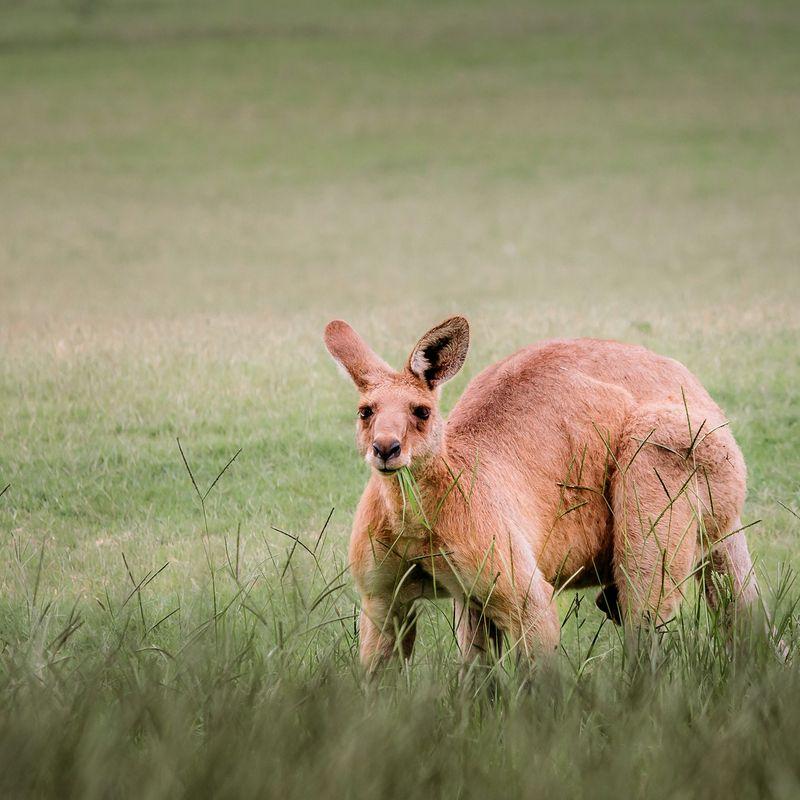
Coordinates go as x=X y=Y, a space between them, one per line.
x=441 y=352
x=354 y=355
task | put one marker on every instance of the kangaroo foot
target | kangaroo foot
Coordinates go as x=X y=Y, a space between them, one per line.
x=608 y=602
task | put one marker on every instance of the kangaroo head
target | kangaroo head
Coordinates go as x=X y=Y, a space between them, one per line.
x=399 y=424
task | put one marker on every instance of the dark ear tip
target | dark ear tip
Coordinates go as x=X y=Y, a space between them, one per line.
x=457 y=322
x=460 y=325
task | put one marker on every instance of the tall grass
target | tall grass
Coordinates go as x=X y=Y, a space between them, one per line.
x=248 y=686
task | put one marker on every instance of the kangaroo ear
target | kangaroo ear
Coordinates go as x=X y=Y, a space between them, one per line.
x=440 y=353
x=353 y=354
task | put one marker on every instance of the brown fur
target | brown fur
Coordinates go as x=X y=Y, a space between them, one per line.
x=568 y=463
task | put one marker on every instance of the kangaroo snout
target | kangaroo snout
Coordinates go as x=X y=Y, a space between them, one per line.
x=385 y=450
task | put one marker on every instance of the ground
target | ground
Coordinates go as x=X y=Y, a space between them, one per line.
x=188 y=193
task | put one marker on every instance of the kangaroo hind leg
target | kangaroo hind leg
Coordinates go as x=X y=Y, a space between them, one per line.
x=655 y=516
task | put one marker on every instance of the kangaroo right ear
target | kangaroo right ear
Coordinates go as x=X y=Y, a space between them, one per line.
x=440 y=353
x=353 y=354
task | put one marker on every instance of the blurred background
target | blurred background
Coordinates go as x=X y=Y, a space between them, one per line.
x=162 y=159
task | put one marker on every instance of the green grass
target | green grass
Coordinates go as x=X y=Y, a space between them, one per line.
x=188 y=193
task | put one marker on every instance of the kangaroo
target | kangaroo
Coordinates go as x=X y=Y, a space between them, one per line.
x=570 y=463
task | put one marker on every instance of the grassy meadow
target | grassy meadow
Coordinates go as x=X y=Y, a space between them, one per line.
x=188 y=193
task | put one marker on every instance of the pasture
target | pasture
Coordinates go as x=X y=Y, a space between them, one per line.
x=188 y=193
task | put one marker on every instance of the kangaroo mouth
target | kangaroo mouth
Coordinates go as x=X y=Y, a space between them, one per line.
x=386 y=466
x=387 y=470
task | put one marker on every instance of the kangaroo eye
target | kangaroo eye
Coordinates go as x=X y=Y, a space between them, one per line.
x=365 y=412
x=421 y=412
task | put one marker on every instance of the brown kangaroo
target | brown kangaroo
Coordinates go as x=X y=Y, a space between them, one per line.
x=569 y=463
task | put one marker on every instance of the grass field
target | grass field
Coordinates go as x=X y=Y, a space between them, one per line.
x=188 y=193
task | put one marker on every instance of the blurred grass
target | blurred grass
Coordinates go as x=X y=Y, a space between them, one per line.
x=461 y=153
x=189 y=192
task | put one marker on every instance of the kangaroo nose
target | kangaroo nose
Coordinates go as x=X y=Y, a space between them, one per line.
x=386 y=451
